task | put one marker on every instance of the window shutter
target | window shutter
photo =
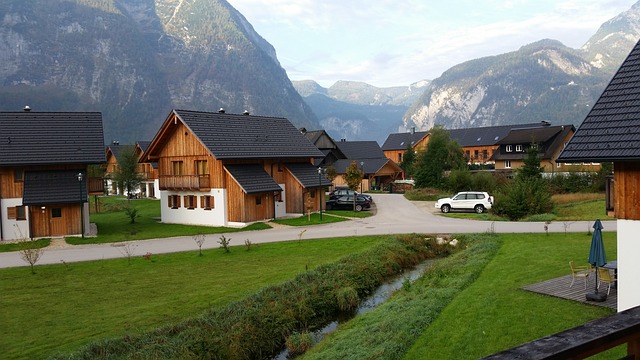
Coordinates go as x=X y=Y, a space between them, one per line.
x=12 y=213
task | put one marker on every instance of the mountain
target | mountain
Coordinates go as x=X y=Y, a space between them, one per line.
x=358 y=111
x=541 y=81
x=134 y=60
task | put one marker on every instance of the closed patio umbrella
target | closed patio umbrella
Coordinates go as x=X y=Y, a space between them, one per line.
x=597 y=258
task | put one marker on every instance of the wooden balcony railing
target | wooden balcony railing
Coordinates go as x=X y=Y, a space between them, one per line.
x=585 y=340
x=95 y=185
x=184 y=182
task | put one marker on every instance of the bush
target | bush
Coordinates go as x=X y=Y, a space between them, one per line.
x=298 y=343
x=459 y=180
x=484 y=181
x=347 y=298
x=526 y=196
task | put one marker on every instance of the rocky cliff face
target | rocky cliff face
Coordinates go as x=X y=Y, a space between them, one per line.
x=134 y=60
x=541 y=81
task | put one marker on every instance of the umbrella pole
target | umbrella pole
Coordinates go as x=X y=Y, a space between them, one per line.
x=595 y=296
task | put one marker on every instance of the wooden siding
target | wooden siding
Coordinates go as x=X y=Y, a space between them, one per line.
x=472 y=158
x=9 y=188
x=627 y=190
x=44 y=225
x=395 y=155
x=243 y=208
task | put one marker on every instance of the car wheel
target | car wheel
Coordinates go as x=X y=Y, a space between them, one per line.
x=479 y=209
x=358 y=207
x=445 y=208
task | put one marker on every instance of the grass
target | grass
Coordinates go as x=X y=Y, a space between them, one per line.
x=16 y=246
x=583 y=210
x=425 y=194
x=313 y=219
x=114 y=225
x=63 y=307
x=470 y=305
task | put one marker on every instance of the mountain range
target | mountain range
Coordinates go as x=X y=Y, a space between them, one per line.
x=134 y=60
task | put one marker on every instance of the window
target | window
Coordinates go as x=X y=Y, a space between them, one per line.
x=475 y=154
x=519 y=148
x=18 y=175
x=509 y=148
x=485 y=154
x=312 y=193
x=207 y=202
x=201 y=167
x=258 y=200
x=190 y=202
x=17 y=213
x=174 y=201
x=178 y=167
x=507 y=164
x=400 y=157
x=56 y=212
x=467 y=154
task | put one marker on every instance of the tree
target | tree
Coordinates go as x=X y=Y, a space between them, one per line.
x=353 y=177
x=441 y=154
x=127 y=176
x=408 y=161
x=30 y=252
x=331 y=173
x=531 y=167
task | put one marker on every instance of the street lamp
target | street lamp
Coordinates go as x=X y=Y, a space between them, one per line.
x=321 y=197
x=362 y=180
x=80 y=177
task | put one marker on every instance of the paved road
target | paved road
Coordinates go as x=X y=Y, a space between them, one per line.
x=394 y=215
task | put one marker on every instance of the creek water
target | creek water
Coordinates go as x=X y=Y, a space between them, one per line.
x=379 y=296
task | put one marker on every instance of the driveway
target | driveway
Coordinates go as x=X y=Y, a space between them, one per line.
x=394 y=215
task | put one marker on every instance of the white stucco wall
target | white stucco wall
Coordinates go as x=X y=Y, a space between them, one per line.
x=628 y=264
x=198 y=216
x=13 y=229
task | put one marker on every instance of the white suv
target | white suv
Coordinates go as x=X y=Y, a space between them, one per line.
x=467 y=200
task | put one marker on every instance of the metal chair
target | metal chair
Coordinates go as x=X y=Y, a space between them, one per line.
x=579 y=272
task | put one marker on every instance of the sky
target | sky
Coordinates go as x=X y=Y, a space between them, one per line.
x=396 y=43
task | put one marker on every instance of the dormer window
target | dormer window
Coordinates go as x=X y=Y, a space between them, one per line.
x=509 y=148
x=518 y=148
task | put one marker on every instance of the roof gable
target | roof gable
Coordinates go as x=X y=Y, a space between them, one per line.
x=252 y=178
x=232 y=136
x=611 y=130
x=307 y=175
x=45 y=138
x=484 y=136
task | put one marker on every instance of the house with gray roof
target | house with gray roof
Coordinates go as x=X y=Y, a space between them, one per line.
x=146 y=171
x=611 y=133
x=397 y=144
x=220 y=169
x=326 y=145
x=378 y=170
x=44 y=182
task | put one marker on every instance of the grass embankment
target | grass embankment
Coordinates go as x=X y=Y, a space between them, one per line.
x=16 y=246
x=470 y=305
x=114 y=224
x=331 y=216
x=257 y=326
x=62 y=307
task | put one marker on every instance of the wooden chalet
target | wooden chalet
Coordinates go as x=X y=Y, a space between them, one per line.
x=324 y=143
x=377 y=168
x=221 y=169
x=611 y=133
x=478 y=144
x=548 y=139
x=44 y=182
x=397 y=144
x=148 y=171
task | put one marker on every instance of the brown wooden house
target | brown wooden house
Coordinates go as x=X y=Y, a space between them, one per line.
x=221 y=169
x=397 y=144
x=611 y=133
x=44 y=185
x=148 y=171
x=379 y=171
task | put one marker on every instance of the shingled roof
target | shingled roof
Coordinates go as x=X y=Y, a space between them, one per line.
x=44 y=138
x=307 y=175
x=252 y=178
x=400 y=141
x=356 y=150
x=484 y=136
x=611 y=130
x=233 y=136
x=68 y=190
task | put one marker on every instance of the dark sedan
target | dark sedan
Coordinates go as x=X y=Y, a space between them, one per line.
x=346 y=203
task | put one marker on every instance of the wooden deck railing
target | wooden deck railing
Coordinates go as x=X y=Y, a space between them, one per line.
x=184 y=182
x=585 y=340
x=95 y=185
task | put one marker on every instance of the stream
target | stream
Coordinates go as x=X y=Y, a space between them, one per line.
x=379 y=296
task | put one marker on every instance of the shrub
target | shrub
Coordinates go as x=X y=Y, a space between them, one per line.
x=298 y=343
x=484 y=181
x=459 y=180
x=347 y=298
x=525 y=196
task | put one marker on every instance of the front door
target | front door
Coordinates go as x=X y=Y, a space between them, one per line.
x=56 y=219
x=39 y=218
x=281 y=204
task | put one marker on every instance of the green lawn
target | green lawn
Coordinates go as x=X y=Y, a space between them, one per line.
x=62 y=307
x=16 y=246
x=114 y=225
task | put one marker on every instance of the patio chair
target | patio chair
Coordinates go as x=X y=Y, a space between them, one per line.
x=604 y=276
x=579 y=272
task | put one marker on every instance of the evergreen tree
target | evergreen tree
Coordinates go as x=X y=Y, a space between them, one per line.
x=531 y=167
x=127 y=176
x=408 y=161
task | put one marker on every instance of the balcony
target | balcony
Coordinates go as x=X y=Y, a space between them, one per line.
x=184 y=182
x=95 y=185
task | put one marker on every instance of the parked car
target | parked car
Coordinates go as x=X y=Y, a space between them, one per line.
x=346 y=203
x=345 y=191
x=466 y=200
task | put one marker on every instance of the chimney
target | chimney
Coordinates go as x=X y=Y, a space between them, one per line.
x=413 y=130
x=246 y=112
x=545 y=123
x=343 y=140
x=221 y=111
x=27 y=108
x=303 y=130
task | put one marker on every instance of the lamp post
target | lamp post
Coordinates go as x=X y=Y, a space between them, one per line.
x=362 y=180
x=321 y=197
x=80 y=177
